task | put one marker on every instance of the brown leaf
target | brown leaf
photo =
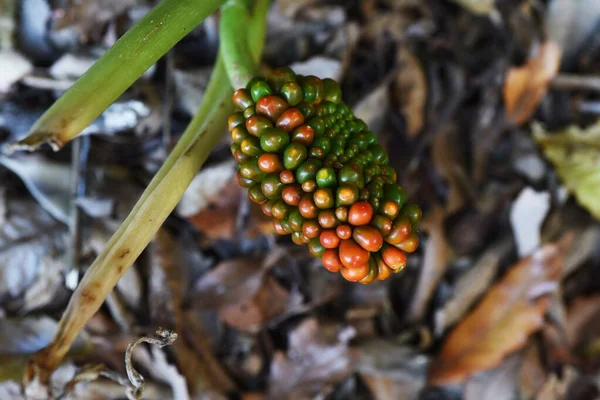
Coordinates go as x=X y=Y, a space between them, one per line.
x=217 y=219
x=230 y=282
x=498 y=383
x=250 y=314
x=501 y=323
x=532 y=374
x=525 y=86
x=411 y=90
x=583 y=322
x=435 y=262
x=312 y=361
x=470 y=286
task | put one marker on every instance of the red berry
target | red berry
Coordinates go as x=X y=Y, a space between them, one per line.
x=329 y=239
x=355 y=274
x=331 y=260
x=352 y=255
x=368 y=238
x=360 y=213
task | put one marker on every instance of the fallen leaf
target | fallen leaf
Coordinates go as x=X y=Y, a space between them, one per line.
x=13 y=67
x=508 y=314
x=499 y=383
x=32 y=250
x=570 y=23
x=470 y=286
x=229 y=283
x=312 y=361
x=411 y=90
x=373 y=107
x=527 y=215
x=583 y=323
x=532 y=374
x=319 y=66
x=252 y=313
x=48 y=182
x=574 y=154
x=435 y=262
x=525 y=86
x=482 y=7
x=390 y=370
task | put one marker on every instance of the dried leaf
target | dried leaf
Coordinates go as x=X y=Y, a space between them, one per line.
x=524 y=87
x=435 y=262
x=206 y=188
x=391 y=371
x=411 y=90
x=32 y=247
x=483 y=7
x=312 y=361
x=574 y=154
x=583 y=322
x=13 y=67
x=501 y=323
x=47 y=181
x=499 y=383
x=229 y=283
x=532 y=374
x=470 y=286
x=526 y=217
x=252 y=313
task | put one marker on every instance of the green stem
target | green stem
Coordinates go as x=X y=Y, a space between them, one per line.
x=154 y=206
x=136 y=51
x=233 y=32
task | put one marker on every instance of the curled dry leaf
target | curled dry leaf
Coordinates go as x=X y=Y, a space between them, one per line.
x=411 y=90
x=574 y=154
x=312 y=361
x=501 y=323
x=525 y=86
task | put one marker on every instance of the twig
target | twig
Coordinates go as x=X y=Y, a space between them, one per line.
x=164 y=338
x=81 y=149
x=575 y=82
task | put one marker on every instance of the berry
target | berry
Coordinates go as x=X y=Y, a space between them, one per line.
x=320 y=173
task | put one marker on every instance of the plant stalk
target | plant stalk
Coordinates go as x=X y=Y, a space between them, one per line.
x=154 y=206
x=233 y=31
x=136 y=51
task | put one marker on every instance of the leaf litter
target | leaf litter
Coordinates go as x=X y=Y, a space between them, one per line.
x=480 y=105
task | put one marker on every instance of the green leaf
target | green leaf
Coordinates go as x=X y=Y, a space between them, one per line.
x=575 y=154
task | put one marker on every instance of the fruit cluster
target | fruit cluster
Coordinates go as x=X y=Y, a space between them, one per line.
x=320 y=172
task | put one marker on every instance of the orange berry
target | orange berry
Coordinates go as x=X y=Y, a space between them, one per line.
x=291 y=195
x=290 y=120
x=307 y=207
x=400 y=231
x=393 y=257
x=409 y=244
x=344 y=231
x=368 y=238
x=355 y=274
x=352 y=255
x=287 y=177
x=331 y=260
x=279 y=229
x=271 y=106
x=327 y=219
x=311 y=229
x=329 y=239
x=303 y=134
x=360 y=213
x=269 y=163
